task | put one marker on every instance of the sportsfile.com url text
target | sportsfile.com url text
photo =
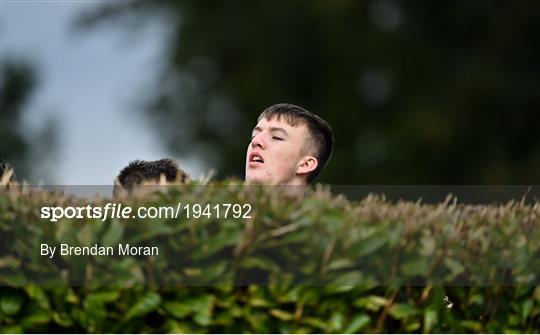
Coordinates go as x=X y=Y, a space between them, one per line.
x=120 y=211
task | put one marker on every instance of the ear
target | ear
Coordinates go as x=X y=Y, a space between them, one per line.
x=306 y=165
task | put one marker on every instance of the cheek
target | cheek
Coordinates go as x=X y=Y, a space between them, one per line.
x=285 y=167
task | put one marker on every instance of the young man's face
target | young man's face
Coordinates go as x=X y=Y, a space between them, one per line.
x=275 y=153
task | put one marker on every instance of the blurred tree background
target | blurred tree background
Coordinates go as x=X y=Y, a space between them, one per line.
x=418 y=92
x=30 y=151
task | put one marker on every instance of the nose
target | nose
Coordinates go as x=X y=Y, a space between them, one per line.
x=257 y=141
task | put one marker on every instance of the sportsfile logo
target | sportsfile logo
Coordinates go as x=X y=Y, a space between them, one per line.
x=110 y=210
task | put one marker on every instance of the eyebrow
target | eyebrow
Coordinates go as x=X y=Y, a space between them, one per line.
x=272 y=129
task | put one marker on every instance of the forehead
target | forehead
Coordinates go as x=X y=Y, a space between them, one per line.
x=281 y=123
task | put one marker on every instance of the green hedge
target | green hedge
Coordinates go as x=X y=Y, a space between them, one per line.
x=316 y=264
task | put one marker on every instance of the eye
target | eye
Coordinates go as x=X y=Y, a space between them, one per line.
x=277 y=138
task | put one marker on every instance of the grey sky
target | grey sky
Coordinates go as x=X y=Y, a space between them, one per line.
x=91 y=81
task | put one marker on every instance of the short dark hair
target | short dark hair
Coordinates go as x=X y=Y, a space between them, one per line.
x=322 y=138
x=4 y=168
x=139 y=171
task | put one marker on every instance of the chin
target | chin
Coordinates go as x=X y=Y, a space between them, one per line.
x=257 y=180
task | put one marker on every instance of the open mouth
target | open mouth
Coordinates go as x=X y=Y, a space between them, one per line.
x=255 y=157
